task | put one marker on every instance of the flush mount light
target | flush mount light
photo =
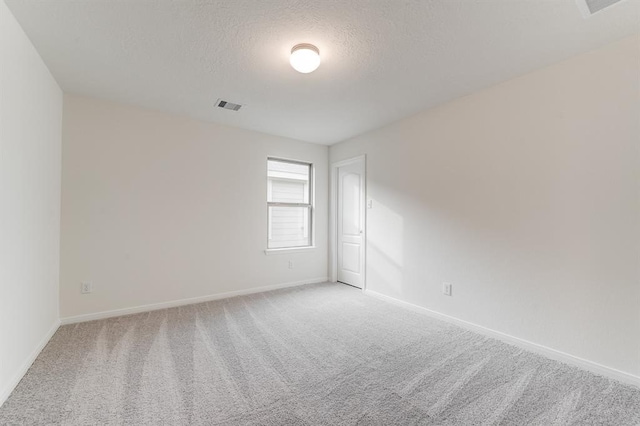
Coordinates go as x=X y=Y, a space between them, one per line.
x=305 y=58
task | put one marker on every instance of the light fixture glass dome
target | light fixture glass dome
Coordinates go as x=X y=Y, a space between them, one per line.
x=305 y=58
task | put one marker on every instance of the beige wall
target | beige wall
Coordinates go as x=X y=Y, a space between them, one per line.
x=157 y=208
x=525 y=197
x=30 y=141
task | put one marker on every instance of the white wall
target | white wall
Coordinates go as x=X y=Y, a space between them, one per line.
x=30 y=144
x=525 y=197
x=157 y=208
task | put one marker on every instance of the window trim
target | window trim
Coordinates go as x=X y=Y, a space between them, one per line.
x=285 y=250
x=310 y=205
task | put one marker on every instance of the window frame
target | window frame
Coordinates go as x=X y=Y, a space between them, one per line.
x=310 y=205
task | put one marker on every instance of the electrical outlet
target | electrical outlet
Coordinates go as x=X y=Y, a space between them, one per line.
x=291 y=264
x=447 y=289
x=370 y=204
x=86 y=288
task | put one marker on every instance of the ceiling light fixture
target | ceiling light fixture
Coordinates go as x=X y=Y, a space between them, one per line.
x=305 y=58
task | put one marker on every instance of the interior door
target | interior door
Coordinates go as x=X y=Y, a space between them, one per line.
x=350 y=224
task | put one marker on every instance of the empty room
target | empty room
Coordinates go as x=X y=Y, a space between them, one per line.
x=295 y=212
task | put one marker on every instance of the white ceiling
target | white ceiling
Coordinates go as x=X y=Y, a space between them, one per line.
x=381 y=60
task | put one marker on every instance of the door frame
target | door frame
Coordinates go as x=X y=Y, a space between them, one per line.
x=333 y=217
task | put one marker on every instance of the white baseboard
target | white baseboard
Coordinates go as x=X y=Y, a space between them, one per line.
x=9 y=387
x=182 y=302
x=545 y=351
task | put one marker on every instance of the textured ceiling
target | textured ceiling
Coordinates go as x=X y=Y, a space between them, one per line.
x=381 y=60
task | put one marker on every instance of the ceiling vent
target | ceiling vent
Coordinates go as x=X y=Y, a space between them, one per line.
x=589 y=7
x=228 y=105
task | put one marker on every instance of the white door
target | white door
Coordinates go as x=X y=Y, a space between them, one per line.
x=350 y=223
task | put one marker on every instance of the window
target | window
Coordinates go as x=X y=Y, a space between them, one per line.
x=289 y=203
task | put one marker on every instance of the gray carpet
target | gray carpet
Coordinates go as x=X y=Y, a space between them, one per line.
x=313 y=355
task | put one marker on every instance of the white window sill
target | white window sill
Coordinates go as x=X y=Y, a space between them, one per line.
x=269 y=252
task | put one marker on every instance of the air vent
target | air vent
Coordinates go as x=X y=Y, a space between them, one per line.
x=228 y=105
x=589 y=7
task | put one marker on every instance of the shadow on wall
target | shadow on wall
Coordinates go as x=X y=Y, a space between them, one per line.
x=503 y=248
x=431 y=248
x=384 y=249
